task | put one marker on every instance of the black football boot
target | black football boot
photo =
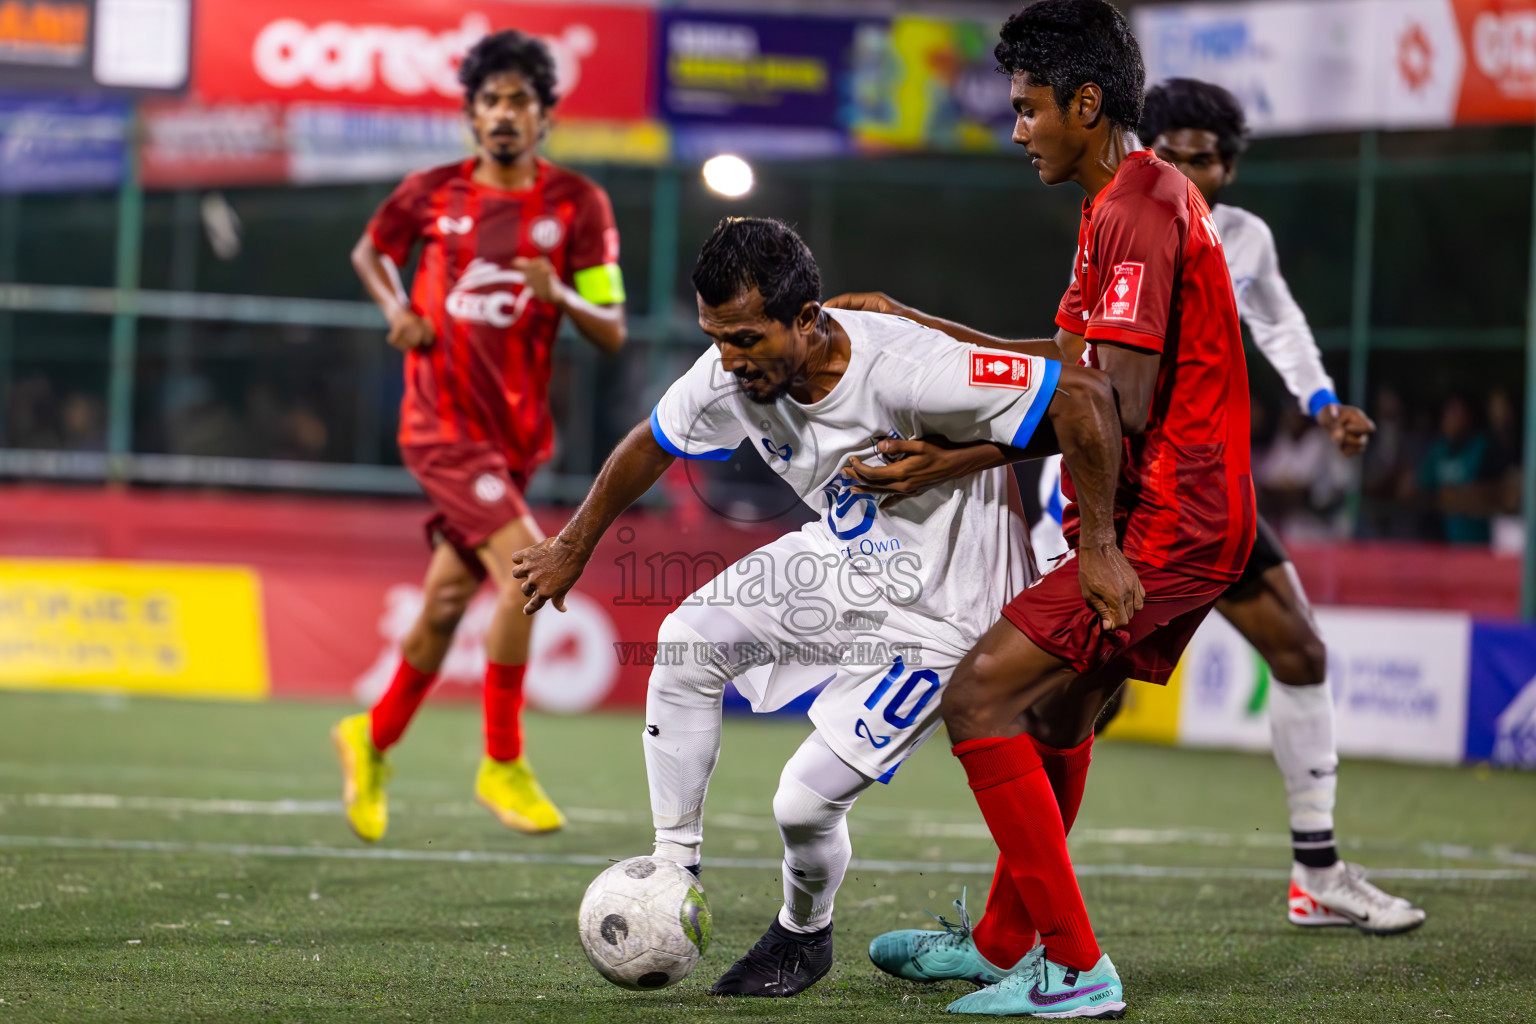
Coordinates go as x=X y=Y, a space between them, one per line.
x=783 y=963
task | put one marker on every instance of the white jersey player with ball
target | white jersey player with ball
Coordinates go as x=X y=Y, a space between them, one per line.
x=876 y=606
x=872 y=603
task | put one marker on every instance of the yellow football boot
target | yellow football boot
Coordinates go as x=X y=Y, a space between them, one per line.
x=364 y=772
x=510 y=791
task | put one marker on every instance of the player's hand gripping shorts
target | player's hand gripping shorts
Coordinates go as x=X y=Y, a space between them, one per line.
x=1054 y=615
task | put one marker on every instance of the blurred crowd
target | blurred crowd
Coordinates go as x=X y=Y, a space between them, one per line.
x=192 y=418
x=1446 y=473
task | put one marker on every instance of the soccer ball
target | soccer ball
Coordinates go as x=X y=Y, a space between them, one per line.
x=644 y=923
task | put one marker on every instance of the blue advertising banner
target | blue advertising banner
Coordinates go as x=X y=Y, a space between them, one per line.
x=1501 y=705
x=750 y=69
x=59 y=143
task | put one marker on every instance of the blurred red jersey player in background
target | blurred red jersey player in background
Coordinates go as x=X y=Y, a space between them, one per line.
x=509 y=244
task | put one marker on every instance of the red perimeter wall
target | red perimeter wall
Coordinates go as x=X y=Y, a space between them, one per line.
x=337 y=575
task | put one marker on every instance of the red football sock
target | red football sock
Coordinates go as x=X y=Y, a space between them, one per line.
x=504 y=711
x=1006 y=931
x=1015 y=797
x=394 y=711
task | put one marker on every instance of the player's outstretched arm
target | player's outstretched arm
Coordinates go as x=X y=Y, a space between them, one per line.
x=551 y=568
x=381 y=278
x=606 y=325
x=879 y=302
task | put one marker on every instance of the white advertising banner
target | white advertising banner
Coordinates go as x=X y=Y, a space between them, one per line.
x=1399 y=682
x=1321 y=65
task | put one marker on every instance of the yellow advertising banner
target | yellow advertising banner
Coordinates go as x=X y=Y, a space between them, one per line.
x=144 y=628
x=1148 y=712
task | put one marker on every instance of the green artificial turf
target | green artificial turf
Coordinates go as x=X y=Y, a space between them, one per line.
x=241 y=895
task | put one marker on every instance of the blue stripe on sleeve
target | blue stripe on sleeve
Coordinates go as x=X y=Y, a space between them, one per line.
x=1041 y=403
x=716 y=455
x=1321 y=399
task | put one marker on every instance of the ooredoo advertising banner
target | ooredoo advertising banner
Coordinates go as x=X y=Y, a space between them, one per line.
x=1320 y=65
x=404 y=53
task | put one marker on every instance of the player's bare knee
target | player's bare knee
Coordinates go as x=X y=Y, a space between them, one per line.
x=969 y=704
x=445 y=606
x=1304 y=663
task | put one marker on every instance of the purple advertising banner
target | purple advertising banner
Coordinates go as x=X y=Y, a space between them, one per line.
x=719 y=67
x=60 y=143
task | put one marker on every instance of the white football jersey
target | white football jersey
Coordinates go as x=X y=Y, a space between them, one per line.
x=1278 y=325
x=943 y=563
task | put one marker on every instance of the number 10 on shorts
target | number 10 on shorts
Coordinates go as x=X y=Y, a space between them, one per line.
x=892 y=714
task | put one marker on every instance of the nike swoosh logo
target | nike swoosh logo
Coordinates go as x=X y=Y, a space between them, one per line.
x=1039 y=998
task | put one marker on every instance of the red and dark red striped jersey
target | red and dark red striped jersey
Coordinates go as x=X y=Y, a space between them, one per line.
x=485 y=378
x=1151 y=275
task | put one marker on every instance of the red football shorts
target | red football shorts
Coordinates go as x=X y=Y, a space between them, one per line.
x=476 y=492
x=1054 y=615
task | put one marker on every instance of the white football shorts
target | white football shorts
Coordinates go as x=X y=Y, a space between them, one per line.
x=814 y=620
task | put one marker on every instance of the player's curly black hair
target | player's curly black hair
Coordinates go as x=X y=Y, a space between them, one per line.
x=1066 y=44
x=1187 y=103
x=509 y=50
x=758 y=252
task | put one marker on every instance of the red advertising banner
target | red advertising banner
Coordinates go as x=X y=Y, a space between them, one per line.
x=1498 y=84
x=340 y=584
x=405 y=53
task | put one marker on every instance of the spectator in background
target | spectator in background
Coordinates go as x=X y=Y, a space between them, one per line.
x=84 y=421
x=1457 y=475
x=1302 y=480
x=1389 y=469
x=32 y=414
x=1504 y=452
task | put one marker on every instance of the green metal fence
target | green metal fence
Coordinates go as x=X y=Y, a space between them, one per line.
x=976 y=238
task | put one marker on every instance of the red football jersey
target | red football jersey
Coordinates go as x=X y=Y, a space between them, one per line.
x=486 y=376
x=1151 y=275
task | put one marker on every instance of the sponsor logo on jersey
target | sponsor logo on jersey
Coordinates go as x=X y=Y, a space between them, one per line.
x=490 y=488
x=499 y=308
x=849 y=515
x=1123 y=295
x=993 y=370
x=783 y=451
x=455 y=225
x=546 y=232
x=862 y=730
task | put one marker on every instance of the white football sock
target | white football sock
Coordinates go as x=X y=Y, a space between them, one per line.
x=1301 y=726
x=682 y=737
x=682 y=720
x=816 y=790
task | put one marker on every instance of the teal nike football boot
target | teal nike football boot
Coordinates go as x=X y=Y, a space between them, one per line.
x=922 y=954
x=1049 y=990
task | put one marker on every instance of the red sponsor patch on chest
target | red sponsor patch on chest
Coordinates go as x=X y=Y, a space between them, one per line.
x=998 y=370
x=1122 y=293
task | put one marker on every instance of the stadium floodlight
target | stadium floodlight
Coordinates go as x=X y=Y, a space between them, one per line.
x=729 y=175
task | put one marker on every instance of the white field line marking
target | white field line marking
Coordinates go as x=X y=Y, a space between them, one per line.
x=733 y=821
x=751 y=863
